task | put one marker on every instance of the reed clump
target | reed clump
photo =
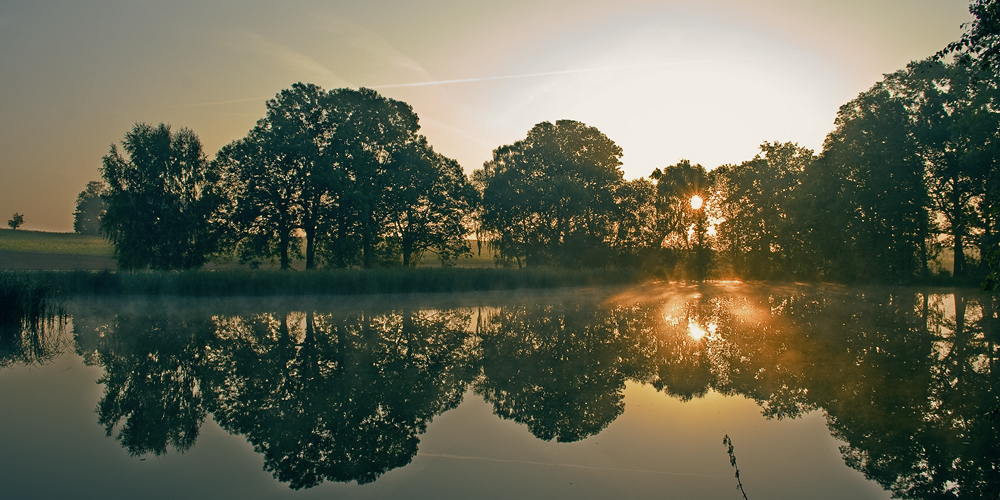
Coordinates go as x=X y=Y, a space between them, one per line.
x=25 y=298
x=28 y=305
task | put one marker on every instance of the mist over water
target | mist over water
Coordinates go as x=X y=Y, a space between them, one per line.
x=827 y=392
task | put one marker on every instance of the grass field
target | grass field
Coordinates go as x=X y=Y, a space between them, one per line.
x=39 y=250
x=53 y=243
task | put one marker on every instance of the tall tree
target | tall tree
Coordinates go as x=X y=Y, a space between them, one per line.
x=864 y=207
x=285 y=174
x=550 y=198
x=89 y=209
x=263 y=191
x=428 y=203
x=957 y=123
x=161 y=199
x=756 y=207
x=681 y=226
x=373 y=141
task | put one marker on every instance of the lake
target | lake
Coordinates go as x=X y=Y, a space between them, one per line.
x=826 y=392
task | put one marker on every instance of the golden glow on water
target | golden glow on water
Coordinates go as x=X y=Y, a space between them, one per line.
x=698 y=332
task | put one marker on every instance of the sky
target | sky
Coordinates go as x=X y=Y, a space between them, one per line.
x=706 y=80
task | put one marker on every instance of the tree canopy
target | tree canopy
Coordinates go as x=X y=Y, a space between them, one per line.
x=161 y=199
x=550 y=198
x=89 y=209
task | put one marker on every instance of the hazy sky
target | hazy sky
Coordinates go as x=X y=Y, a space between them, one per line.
x=705 y=80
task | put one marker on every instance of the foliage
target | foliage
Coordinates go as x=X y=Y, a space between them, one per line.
x=161 y=199
x=955 y=108
x=728 y=442
x=757 y=210
x=682 y=229
x=550 y=198
x=346 y=169
x=428 y=205
x=89 y=210
x=15 y=221
x=981 y=40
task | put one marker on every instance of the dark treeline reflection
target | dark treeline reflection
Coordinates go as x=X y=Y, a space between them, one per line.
x=906 y=378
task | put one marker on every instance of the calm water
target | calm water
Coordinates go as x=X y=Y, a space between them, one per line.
x=827 y=392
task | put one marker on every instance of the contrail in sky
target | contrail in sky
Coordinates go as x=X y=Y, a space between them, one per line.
x=553 y=73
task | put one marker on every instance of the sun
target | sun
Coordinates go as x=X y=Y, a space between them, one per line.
x=696 y=202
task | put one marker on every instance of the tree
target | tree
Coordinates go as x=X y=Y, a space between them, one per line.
x=864 y=208
x=756 y=198
x=682 y=226
x=550 y=198
x=161 y=198
x=89 y=209
x=15 y=221
x=373 y=142
x=429 y=201
x=320 y=165
x=981 y=40
x=263 y=194
x=282 y=175
x=955 y=110
x=636 y=236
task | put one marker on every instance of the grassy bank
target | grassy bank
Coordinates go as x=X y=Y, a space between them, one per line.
x=54 y=243
x=343 y=282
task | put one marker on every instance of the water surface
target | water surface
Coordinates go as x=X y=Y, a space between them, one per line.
x=827 y=392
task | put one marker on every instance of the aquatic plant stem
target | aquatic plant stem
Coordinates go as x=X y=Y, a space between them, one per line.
x=732 y=461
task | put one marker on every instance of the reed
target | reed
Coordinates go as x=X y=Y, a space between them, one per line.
x=25 y=298
x=28 y=305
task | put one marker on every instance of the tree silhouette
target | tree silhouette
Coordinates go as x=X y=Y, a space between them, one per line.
x=550 y=198
x=864 y=204
x=676 y=186
x=757 y=200
x=89 y=209
x=15 y=221
x=161 y=199
x=429 y=202
x=556 y=369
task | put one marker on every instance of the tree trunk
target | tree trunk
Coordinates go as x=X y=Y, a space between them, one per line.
x=310 y=245
x=283 y=243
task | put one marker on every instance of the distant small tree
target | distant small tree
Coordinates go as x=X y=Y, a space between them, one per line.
x=89 y=209
x=16 y=221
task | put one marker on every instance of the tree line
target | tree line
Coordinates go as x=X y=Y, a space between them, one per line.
x=342 y=178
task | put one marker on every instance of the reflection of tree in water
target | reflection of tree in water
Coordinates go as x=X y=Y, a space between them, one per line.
x=920 y=426
x=340 y=398
x=903 y=382
x=905 y=379
x=31 y=337
x=152 y=377
x=557 y=369
x=321 y=396
x=33 y=344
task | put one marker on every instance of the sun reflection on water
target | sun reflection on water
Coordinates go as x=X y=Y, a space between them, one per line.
x=698 y=332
